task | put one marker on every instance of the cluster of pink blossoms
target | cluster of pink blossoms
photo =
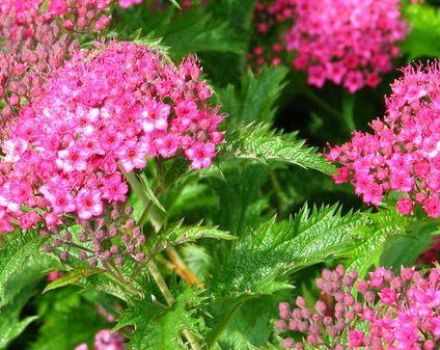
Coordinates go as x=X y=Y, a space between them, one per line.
x=105 y=340
x=104 y=113
x=268 y=17
x=385 y=311
x=37 y=37
x=348 y=42
x=403 y=153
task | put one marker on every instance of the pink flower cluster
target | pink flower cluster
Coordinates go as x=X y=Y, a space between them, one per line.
x=348 y=42
x=385 y=311
x=105 y=340
x=268 y=18
x=104 y=113
x=403 y=153
x=38 y=36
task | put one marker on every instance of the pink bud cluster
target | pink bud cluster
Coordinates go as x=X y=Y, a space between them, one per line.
x=269 y=16
x=101 y=115
x=384 y=311
x=403 y=153
x=105 y=340
x=112 y=238
x=348 y=42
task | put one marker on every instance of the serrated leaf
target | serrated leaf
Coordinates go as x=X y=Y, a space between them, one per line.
x=161 y=328
x=375 y=232
x=259 y=143
x=255 y=100
x=264 y=256
x=22 y=263
x=179 y=234
x=71 y=277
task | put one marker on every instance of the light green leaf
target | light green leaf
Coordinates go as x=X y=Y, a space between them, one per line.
x=71 y=277
x=260 y=143
x=179 y=234
x=424 y=38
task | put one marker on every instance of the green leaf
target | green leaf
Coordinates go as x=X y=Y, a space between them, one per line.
x=179 y=234
x=22 y=263
x=198 y=260
x=261 y=260
x=424 y=38
x=71 y=277
x=157 y=327
x=11 y=326
x=258 y=142
x=255 y=100
x=404 y=250
x=67 y=319
x=242 y=202
x=375 y=232
x=190 y=31
x=237 y=12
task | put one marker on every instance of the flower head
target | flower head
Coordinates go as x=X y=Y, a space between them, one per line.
x=348 y=42
x=402 y=154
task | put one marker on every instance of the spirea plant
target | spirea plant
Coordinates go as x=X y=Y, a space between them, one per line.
x=179 y=174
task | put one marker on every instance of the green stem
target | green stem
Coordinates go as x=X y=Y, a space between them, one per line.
x=157 y=276
x=324 y=105
x=348 y=103
x=157 y=219
x=191 y=339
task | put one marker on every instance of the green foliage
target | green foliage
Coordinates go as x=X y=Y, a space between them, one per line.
x=160 y=327
x=374 y=234
x=260 y=261
x=11 y=324
x=73 y=276
x=241 y=227
x=259 y=142
x=403 y=250
x=179 y=234
x=191 y=31
x=68 y=319
x=255 y=99
x=22 y=263
x=424 y=37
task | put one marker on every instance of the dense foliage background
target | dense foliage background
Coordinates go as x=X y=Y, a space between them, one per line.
x=224 y=245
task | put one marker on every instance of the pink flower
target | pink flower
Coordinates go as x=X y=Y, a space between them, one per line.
x=88 y=204
x=133 y=155
x=405 y=206
x=58 y=7
x=432 y=207
x=356 y=338
x=129 y=3
x=388 y=296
